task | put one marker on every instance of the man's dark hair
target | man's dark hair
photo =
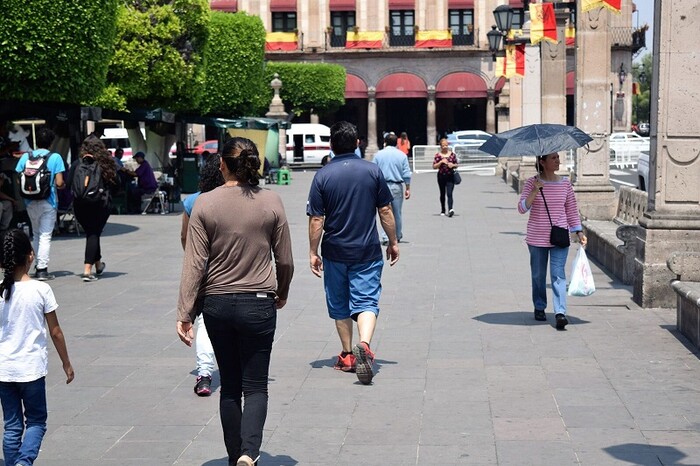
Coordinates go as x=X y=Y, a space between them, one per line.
x=44 y=138
x=391 y=139
x=119 y=152
x=343 y=138
x=210 y=176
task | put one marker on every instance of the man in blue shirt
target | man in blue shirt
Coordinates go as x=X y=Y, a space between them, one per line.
x=42 y=212
x=394 y=166
x=344 y=199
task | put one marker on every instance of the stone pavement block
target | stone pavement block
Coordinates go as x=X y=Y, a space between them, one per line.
x=535 y=453
x=81 y=442
x=587 y=396
x=390 y=454
x=534 y=429
x=524 y=406
x=479 y=453
x=146 y=450
x=597 y=416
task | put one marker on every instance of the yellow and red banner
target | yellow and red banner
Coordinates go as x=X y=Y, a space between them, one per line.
x=513 y=64
x=612 y=5
x=285 y=41
x=635 y=89
x=430 y=39
x=364 y=40
x=543 y=23
x=570 y=33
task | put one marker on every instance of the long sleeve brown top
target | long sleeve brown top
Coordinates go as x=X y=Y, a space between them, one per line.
x=231 y=232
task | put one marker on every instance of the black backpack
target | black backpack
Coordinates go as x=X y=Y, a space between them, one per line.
x=87 y=185
x=35 y=179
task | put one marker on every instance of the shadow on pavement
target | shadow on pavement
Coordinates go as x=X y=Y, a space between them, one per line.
x=673 y=330
x=639 y=453
x=522 y=318
x=281 y=460
x=114 y=229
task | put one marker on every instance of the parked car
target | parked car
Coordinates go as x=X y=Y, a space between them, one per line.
x=467 y=137
x=643 y=129
x=643 y=170
x=207 y=147
x=625 y=148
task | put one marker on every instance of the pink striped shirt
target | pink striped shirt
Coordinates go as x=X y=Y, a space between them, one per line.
x=562 y=207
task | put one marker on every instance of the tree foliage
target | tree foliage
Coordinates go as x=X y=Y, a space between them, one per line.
x=235 y=78
x=642 y=101
x=55 y=50
x=310 y=87
x=158 y=59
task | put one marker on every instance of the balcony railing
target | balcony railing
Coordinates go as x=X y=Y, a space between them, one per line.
x=628 y=38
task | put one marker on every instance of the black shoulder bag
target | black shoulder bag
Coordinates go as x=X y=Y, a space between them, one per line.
x=559 y=236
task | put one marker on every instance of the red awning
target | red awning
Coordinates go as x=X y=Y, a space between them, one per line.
x=401 y=86
x=224 y=5
x=570 y=82
x=402 y=4
x=460 y=4
x=460 y=86
x=516 y=3
x=355 y=88
x=283 y=5
x=342 y=5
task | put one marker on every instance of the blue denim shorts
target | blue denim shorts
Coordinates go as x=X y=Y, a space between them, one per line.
x=352 y=288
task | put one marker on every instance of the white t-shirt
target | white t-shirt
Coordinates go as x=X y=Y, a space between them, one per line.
x=23 y=347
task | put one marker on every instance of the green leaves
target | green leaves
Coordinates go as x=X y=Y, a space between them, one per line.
x=310 y=87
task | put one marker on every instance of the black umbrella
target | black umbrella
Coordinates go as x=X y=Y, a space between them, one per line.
x=540 y=139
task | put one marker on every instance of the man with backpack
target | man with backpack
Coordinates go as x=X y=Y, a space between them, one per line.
x=40 y=173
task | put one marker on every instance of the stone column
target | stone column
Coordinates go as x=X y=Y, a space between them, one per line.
x=515 y=113
x=491 y=111
x=532 y=104
x=554 y=75
x=432 y=130
x=276 y=111
x=372 y=147
x=594 y=193
x=503 y=109
x=672 y=221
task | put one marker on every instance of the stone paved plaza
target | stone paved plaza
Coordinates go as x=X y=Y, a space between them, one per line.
x=465 y=374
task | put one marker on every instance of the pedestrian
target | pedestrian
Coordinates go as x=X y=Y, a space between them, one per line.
x=560 y=200
x=344 y=199
x=445 y=162
x=394 y=166
x=228 y=263
x=92 y=179
x=404 y=145
x=146 y=182
x=43 y=212
x=8 y=203
x=27 y=307
x=209 y=178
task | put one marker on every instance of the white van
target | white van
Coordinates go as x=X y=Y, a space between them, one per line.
x=117 y=138
x=307 y=143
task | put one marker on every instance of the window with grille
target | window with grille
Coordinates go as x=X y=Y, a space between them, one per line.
x=462 y=26
x=402 y=32
x=341 y=23
x=284 y=21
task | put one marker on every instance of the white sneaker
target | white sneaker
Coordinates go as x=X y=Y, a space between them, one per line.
x=451 y=213
x=442 y=214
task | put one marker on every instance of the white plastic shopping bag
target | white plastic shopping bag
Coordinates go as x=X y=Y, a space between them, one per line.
x=581 y=276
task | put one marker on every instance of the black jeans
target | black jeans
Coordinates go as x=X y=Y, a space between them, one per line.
x=241 y=328
x=93 y=219
x=446 y=185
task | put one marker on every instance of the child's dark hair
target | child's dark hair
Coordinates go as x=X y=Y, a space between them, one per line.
x=15 y=249
x=242 y=159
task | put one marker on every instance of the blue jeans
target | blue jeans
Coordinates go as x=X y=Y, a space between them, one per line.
x=538 y=268
x=241 y=328
x=396 y=205
x=22 y=400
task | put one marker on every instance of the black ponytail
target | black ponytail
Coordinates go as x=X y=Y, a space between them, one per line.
x=15 y=249
x=242 y=159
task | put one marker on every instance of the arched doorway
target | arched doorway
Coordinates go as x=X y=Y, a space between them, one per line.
x=402 y=100
x=460 y=102
x=355 y=108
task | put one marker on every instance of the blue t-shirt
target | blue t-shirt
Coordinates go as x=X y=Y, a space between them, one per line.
x=347 y=192
x=188 y=203
x=54 y=164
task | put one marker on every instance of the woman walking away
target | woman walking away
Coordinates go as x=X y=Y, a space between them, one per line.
x=91 y=180
x=209 y=178
x=26 y=306
x=556 y=191
x=228 y=262
x=445 y=163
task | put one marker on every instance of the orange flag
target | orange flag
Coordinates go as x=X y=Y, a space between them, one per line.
x=612 y=5
x=543 y=23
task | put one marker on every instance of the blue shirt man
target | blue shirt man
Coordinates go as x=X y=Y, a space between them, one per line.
x=344 y=199
x=394 y=166
x=42 y=212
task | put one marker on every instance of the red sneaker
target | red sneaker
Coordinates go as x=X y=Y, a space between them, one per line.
x=364 y=361
x=345 y=363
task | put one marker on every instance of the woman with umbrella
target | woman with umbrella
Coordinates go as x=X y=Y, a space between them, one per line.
x=549 y=196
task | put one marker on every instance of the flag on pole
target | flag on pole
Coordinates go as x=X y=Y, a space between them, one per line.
x=570 y=34
x=364 y=40
x=500 y=69
x=543 y=23
x=612 y=5
x=428 y=39
x=635 y=89
x=284 y=41
x=515 y=60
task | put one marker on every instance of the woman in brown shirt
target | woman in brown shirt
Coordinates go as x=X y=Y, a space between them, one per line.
x=227 y=261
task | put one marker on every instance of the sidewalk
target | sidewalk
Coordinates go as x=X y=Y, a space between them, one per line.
x=465 y=374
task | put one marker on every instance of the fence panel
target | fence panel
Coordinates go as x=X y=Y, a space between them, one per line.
x=469 y=157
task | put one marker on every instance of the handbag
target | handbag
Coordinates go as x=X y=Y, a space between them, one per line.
x=559 y=236
x=456 y=177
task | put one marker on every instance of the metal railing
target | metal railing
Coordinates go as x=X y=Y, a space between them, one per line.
x=469 y=157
